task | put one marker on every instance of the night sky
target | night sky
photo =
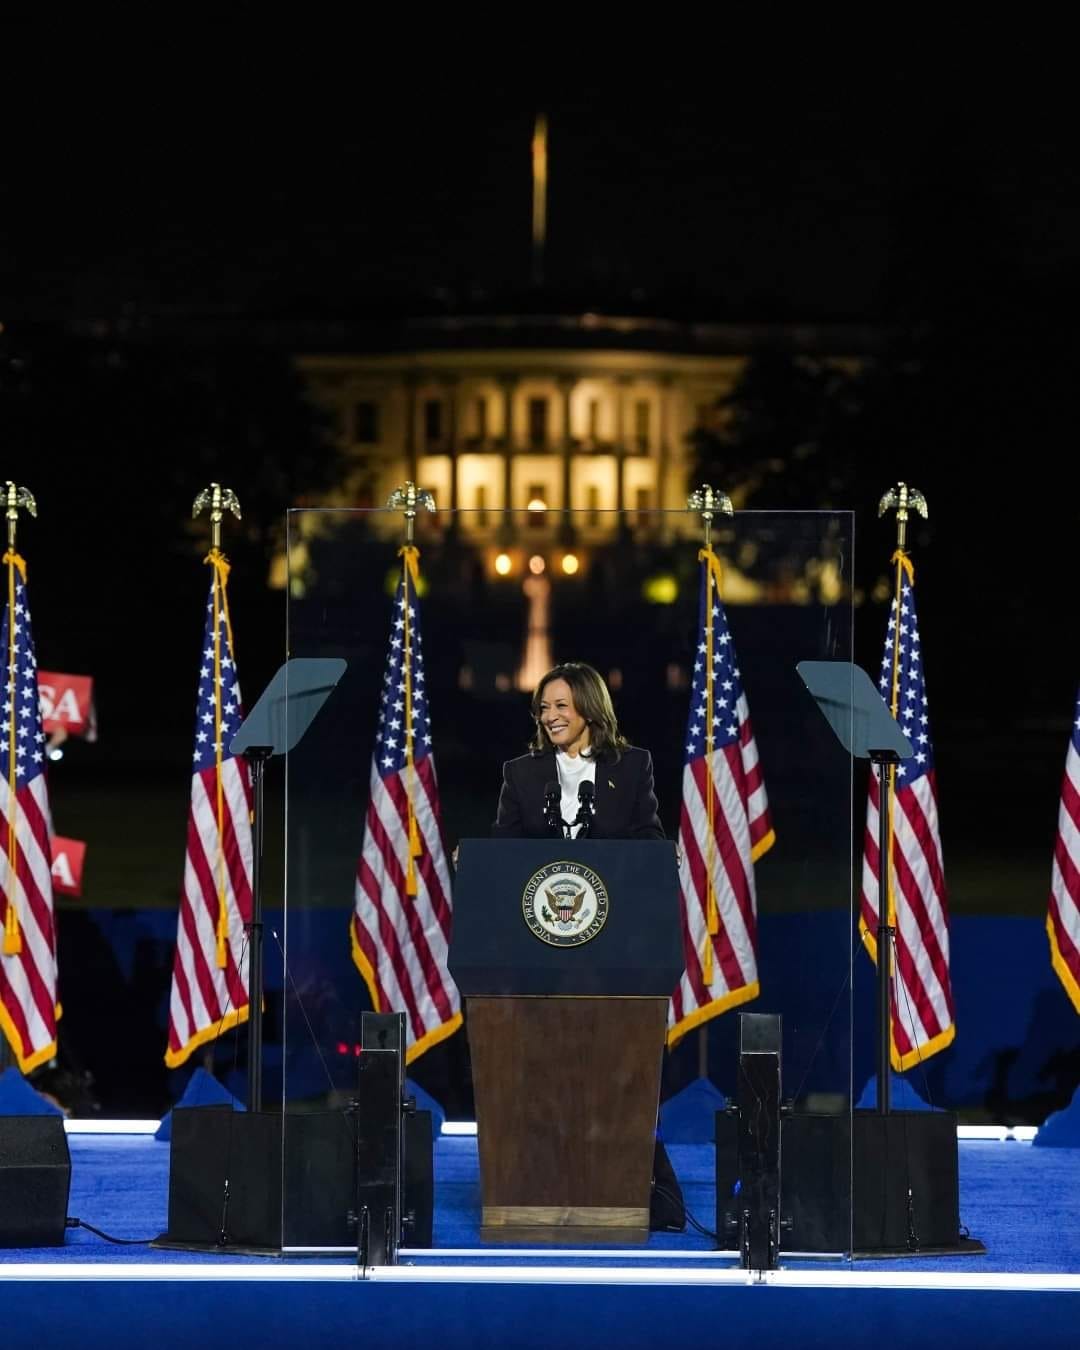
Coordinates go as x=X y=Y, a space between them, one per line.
x=781 y=188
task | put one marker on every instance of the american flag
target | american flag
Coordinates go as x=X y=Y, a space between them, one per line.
x=1063 y=921
x=921 y=992
x=28 y=1008
x=210 y=966
x=724 y=827
x=401 y=927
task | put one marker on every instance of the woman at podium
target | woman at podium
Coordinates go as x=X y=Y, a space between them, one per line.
x=581 y=776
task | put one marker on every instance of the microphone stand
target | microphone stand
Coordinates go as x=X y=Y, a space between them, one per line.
x=586 y=812
x=556 y=826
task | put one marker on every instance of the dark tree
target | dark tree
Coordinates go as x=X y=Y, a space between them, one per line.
x=115 y=434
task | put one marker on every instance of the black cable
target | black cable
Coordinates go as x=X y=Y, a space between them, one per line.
x=675 y=1200
x=914 y=1035
x=303 y=1010
x=821 y=1038
x=122 y=1242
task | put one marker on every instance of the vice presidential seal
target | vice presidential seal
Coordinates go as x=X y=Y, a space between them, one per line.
x=565 y=904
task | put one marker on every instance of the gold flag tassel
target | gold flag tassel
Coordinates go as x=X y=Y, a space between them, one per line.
x=220 y=564
x=712 y=914
x=12 y=936
x=410 y=571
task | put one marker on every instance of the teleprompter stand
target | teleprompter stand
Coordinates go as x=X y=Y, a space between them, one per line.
x=276 y=724
x=905 y=1197
x=866 y=729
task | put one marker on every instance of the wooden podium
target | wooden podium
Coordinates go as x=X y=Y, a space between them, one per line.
x=567 y=953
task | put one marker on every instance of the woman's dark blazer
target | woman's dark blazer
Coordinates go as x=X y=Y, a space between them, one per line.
x=625 y=802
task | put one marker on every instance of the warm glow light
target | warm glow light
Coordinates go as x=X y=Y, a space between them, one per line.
x=570 y=563
x=503 y=564
x=536 y=564
x=661 y=590
x=537 y=504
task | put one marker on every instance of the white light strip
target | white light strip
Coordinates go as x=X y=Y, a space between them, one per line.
x=577 y=1254
x=1023 y=1134
x=111 y=1126
x=180 y=1270
x=308 y=1272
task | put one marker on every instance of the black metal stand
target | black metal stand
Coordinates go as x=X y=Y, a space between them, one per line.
x=256 y=756
x=758 y=1111
x=882 y=760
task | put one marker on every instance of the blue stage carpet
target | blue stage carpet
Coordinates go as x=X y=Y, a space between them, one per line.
x=1022 y=1202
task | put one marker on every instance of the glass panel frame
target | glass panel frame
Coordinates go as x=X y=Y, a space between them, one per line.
x=620 y=590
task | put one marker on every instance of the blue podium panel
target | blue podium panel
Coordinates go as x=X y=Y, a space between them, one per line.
x=549 y=916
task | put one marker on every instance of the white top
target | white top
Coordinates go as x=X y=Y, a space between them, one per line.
x=573 y=771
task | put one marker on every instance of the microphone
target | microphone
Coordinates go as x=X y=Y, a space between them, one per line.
x=586 y=795
x=552 y=814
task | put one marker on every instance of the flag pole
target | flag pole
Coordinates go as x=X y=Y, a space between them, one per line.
x=219 y=500
x=15 y=498
x=903 y=499
x=708 y=502
x=409 y=500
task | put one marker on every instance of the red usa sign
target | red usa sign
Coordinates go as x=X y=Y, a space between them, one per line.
x=67 y=703
x=67 y=865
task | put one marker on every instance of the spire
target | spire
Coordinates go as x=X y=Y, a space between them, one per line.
x=539 y=218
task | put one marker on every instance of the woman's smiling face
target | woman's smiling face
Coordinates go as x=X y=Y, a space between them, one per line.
x=566 y=729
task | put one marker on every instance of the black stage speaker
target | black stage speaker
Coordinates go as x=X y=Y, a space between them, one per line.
x=419 y=1184
x=817 y=1183
x=352 y=1178
x=728 y=1185
x=225 y=1179
x=907 y=1188
x=35 y=1178
x=907 y=1195
x=210 y=1144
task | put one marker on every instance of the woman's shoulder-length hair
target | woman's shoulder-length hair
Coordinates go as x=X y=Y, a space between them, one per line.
x=592 y=700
